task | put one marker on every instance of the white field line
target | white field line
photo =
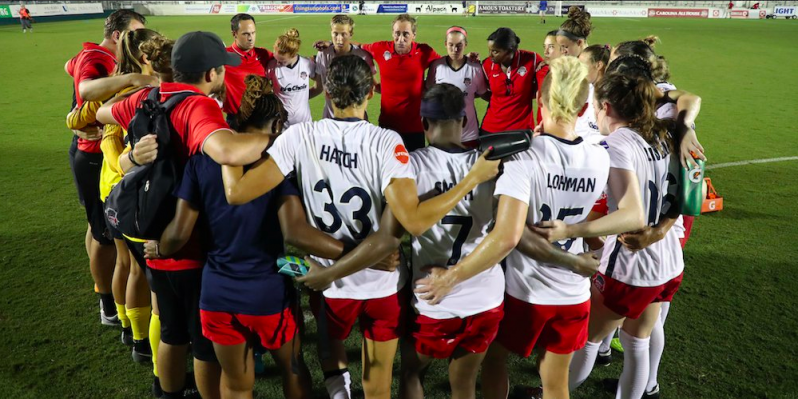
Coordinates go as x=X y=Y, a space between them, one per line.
x=750 y=162
x=277 y=19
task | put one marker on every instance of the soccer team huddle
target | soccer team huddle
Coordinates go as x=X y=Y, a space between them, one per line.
x=551 y=247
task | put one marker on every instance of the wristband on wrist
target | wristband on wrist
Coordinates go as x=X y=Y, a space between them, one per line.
x=132 y=158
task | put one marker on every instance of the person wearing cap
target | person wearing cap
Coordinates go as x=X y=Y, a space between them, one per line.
x=253 y=62
x=198 y=64
x=463 y=73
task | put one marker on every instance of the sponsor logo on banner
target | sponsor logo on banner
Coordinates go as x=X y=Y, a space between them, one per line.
x=678 y=13
x=5 y=12
x=551 y=10
x=320 y=8
x=640 y=12
x=275 y=8
x=216 y=8
x=450 y=8
x=198 y=9
x=46 y=10
x=392 y=8
x=502 y=9
x=784 y=11
x=739 y=13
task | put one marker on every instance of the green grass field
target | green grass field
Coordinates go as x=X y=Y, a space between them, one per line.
x=732 y=330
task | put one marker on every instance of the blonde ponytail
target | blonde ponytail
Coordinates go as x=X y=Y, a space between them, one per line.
x=565 y=88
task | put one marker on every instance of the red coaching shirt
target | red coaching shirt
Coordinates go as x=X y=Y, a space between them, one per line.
x=513 y=91
x=195 y=119
x=253 y=62
x=93 y=62
x=402 y=84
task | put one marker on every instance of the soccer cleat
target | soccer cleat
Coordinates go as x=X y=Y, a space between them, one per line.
x=616 y=345
x=108 y=320
x=127 y=336
x=654 y=394
x=603 y=359
x=141 y=351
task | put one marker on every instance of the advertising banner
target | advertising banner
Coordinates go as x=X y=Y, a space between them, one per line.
x=5 y=12
x=229 y=9
x=392 y=9
x=748 y=14
x=320 y=8
x=785 y=11
x=498 y=8
x=628 y=12
x=451 y=8
x=49 y=10
x=551 y=10
x=678 y=13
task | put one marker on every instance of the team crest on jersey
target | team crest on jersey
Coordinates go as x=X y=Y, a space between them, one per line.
x=598 y=281
x=386 y=55
x=522 y=71
x=303 y=75
x=467 y=81
x=401 y=154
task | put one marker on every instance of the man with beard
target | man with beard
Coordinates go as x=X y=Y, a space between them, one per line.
x=253 y=62
x=198 y=63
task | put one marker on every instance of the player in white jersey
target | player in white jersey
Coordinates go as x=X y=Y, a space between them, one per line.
x=456 y=69
x=291 y=75
x=342 y=29
x=547 y=305
x=630 y=285
x=596 y=58
x=348 y=169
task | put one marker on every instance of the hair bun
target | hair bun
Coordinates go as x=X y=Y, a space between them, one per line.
x=293 y=32
x=576 y=12
x=651 y=40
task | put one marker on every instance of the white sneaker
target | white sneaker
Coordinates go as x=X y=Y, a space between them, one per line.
x=106 y=320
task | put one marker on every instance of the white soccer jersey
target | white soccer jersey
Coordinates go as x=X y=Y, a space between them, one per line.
x=292 y=86
x=470 y=78
x=323 y=60
x=660 y=262
x=666 y=111
x=586 y=125
x=558 y=179
x=456 y=235
x=343 y=168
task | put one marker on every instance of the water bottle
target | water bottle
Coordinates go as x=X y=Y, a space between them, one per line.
x=692 y=196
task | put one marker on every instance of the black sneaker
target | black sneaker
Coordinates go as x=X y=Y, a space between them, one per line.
x=654 y=394
x=127 y=336
x=603 y=359
x=523 y=392
x=157 y=392
x=141 y=351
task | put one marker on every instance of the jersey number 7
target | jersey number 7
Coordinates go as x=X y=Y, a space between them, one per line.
x=465 y=222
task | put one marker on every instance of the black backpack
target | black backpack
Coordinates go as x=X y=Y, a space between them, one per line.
x=142 y=204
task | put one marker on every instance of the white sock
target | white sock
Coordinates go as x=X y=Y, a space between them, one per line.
x=582 y=364
x=656 y=347
x=634 y=377
x=605 y=344
x=338 y=386
x=664 y=308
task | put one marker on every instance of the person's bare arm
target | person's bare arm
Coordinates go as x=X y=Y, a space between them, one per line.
x=416 y=216
x=629 y=216
x=226 y=147
x=376 y=247
x=643 y=238
x=298 y=233
x=177 y=233
x=496 y=246
x=103 y=88
x=318 y=88
x=240 y=188
x=536 y=247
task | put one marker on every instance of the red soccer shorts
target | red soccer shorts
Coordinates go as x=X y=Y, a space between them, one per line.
x=224 y=328
x=381 y=319
x=688 y=227
x=630 y=301
x=560 y=329
x=440 y=337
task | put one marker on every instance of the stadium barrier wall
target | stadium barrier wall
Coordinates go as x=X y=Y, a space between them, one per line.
x=9 y=14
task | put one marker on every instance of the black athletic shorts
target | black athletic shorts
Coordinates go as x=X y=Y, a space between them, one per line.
x=87 y=172
x=178 y=294
x=73 y=148
x=414 y=141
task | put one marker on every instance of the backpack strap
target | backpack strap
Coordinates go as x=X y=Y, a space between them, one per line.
x=175 y=99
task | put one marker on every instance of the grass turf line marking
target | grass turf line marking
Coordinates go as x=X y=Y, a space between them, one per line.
x=751 y=161
x=277 y=19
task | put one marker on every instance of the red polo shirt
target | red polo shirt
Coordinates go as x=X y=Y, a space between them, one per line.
x=93 y=62
x=253 y=62
x=402 y=82
x=195 y=119
x=510 y=105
